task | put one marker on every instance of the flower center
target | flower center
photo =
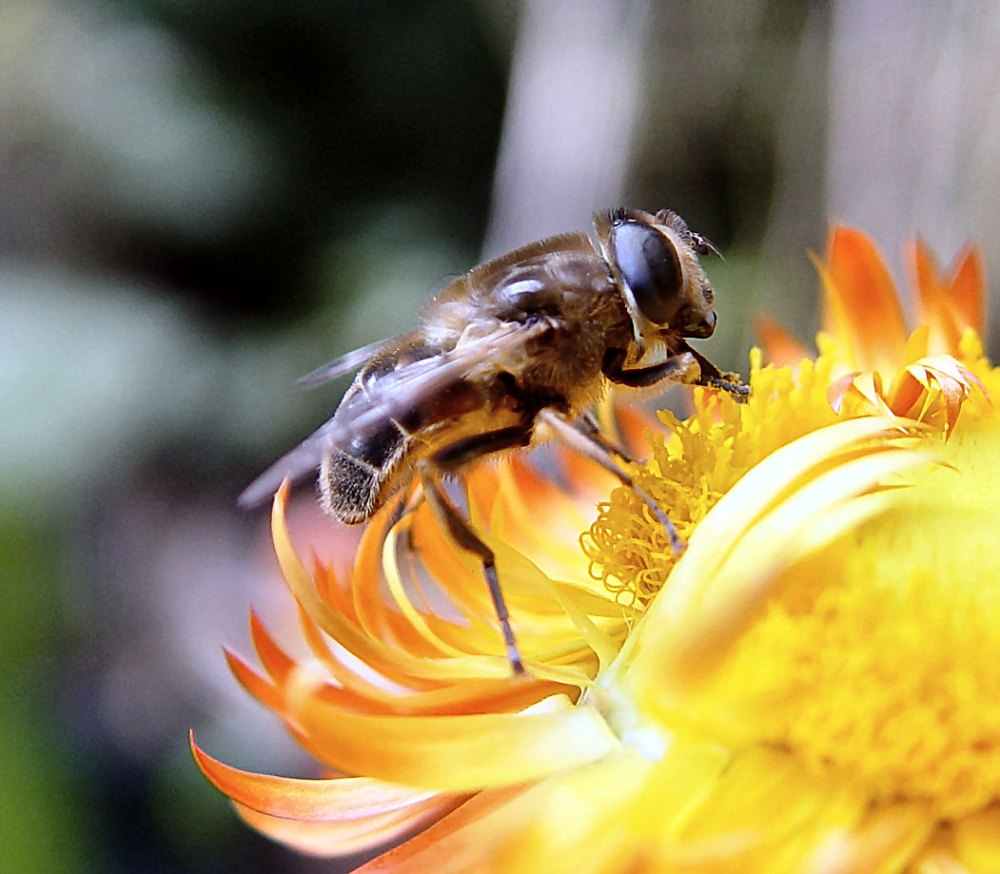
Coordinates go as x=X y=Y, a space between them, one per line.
x=881 y=659
x=877 y=659
x=700 y=461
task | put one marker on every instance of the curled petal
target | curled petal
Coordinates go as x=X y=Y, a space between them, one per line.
x=932 y=385
x=858 y=394
x=485 y=695
x=495 y=749
x=336 y=816
x=391 y=662
x=804 y=495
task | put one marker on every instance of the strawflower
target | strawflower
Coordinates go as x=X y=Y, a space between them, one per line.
x=814 y=685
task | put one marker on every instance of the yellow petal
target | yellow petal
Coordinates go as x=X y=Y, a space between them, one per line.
x=454 y=753
x=723 y=581
x=884 y=841
x=457 y=844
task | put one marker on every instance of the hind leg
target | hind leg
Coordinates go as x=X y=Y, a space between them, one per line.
x=449 y=458
x=461 y=532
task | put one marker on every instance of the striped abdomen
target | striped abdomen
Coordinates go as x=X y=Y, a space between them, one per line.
x=357 y=478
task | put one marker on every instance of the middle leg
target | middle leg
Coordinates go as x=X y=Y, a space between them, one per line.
x=461 y=532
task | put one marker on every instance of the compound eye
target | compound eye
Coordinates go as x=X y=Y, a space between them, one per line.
x=649 y=264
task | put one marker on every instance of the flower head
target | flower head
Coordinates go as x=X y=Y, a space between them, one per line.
x=813 y=686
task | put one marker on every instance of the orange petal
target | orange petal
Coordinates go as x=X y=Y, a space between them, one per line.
x=390 y=662
x=275 y=660
x=633 y=424
x=861 y=304
x=934 y=307
x=967 y=285
x=280 y=667
x=568 y=501
x=453 y=845
x=325 y=817
x=780 y=346
x=373 y=612
x=949 y=307
x=333 y=587
x=261 y=689
x=338 y=839
x=343 y=798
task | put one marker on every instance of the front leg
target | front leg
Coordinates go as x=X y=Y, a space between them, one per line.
x=676 y=368
x=686 y=365
x=590 y=426
x=712 y=377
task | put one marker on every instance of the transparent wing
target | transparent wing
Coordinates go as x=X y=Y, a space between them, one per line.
x=391 y=396
x=345 y=363
x=293 y=465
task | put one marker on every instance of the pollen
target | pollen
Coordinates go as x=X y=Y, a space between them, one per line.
x=695 y=464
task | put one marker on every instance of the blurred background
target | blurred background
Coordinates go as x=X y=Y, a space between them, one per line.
x=201 y=201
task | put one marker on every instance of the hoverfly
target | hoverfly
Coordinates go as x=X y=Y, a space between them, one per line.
x=515 y=351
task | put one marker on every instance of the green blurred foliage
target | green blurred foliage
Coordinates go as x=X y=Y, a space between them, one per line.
x=44 y=823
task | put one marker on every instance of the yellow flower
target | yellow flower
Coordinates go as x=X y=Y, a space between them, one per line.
x=813 y=686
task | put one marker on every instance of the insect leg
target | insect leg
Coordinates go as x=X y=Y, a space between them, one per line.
x=676 y=367
x=737 y=389
x=462 y=533
x=587 y=445
x=477 y=445
x=712 y=377
x=590 y=426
